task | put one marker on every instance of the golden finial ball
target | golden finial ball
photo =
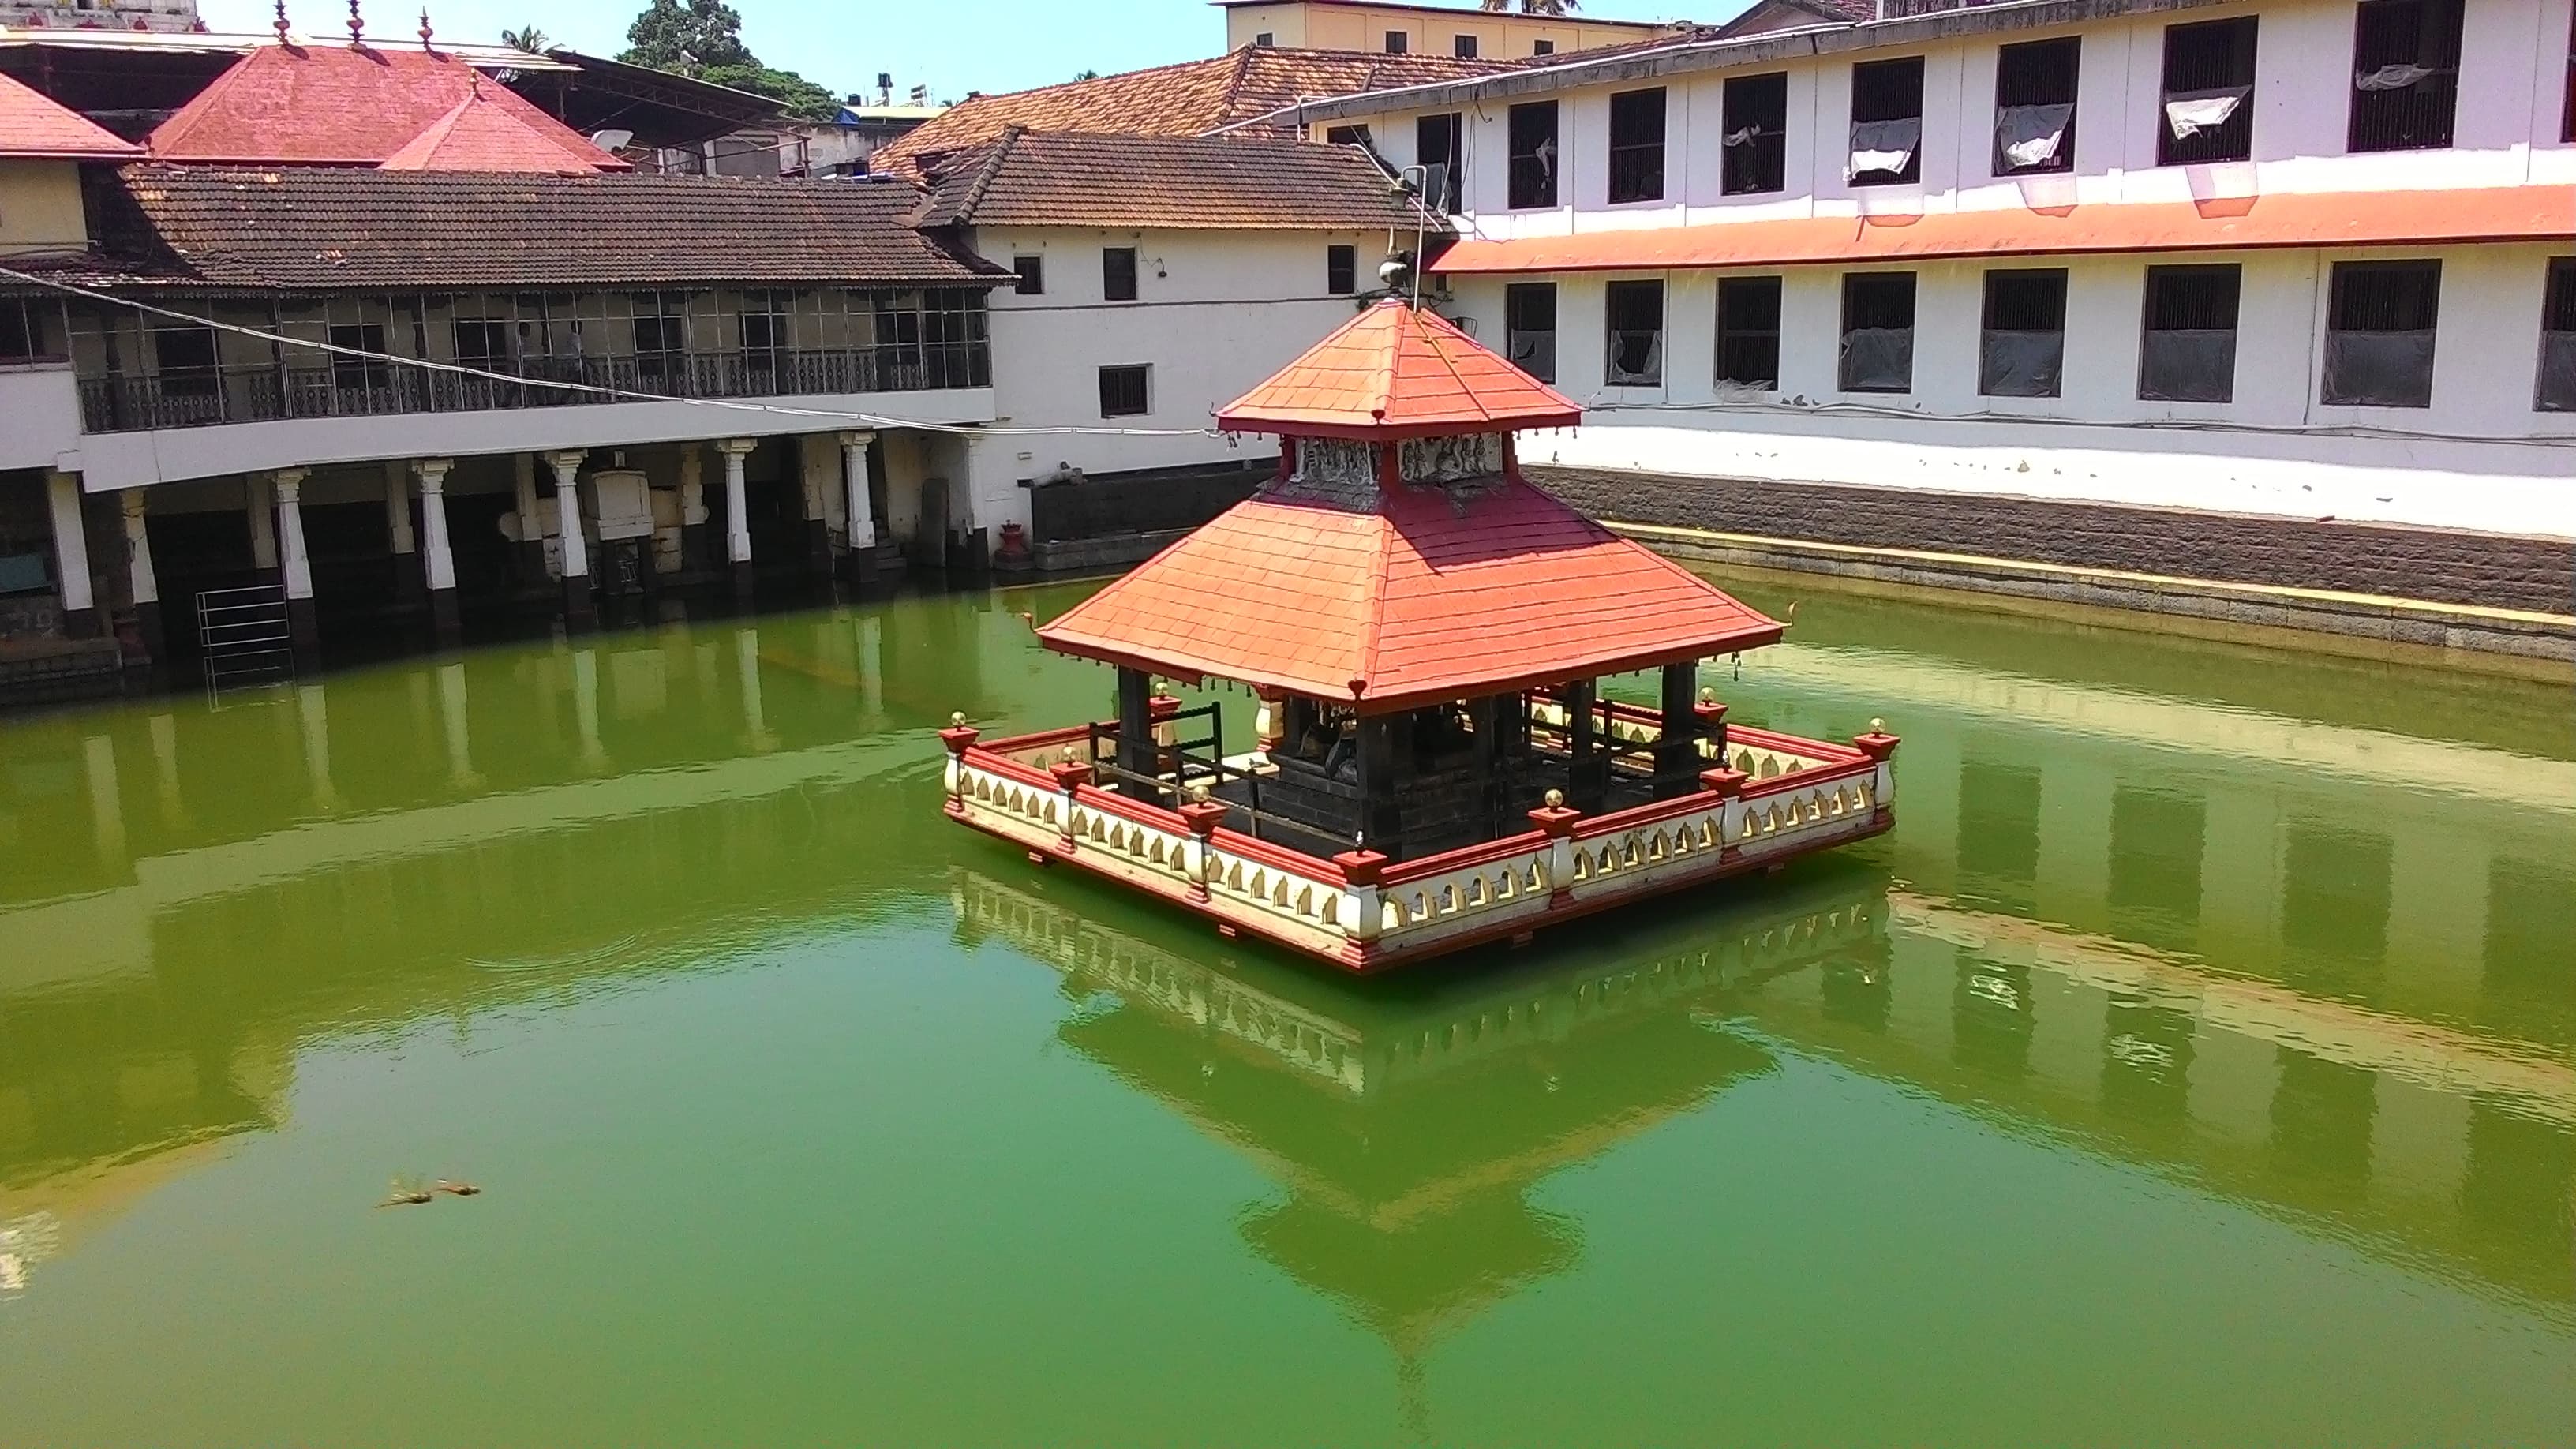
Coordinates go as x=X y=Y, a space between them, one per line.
x=1556 y=799
x=1878 y=726
x=1708 y=696
x=1199 y=794
x=958 y=720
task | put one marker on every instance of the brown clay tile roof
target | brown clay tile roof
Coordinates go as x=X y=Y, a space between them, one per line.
x=32 y=126
x=1192 y=98
x=301 y=228
x=1398 y=371
x=480 y=134
x=1026 y=179
x=337 y=105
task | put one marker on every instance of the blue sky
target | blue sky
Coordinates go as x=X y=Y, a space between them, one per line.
x=953 y=45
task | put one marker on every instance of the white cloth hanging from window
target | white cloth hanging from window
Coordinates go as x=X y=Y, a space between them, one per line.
x=1743 y=137
x=2031 y=135
x=1883 y=146
x=2188 y=116
x=2392 y=78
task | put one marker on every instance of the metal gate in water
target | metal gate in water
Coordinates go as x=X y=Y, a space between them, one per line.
x=245 y=637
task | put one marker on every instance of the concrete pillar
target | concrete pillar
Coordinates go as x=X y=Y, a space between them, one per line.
x=143 y=583
x=261 y=504
x=693 y=508
x=737 y=515
x=437 y=560
x=106 y=803
x=532 y=531
x=451 y=713
x=585 y=709
x=295 y=566
x=862 y=514
x=579 y=610
x=407 y=579
x=313 y=721
x=71 y=556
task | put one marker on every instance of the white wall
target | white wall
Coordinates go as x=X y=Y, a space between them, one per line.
x=39 y=414
x=1215 y=314
x=2478 y=458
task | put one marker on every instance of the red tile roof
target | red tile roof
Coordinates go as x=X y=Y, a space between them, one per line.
x=1192 y=98
x=481 y=134
x=336 y=105
x=33 y=127
x=1398 y=371
x=1229 y=182
x=2313 y=219
x=1432 y=594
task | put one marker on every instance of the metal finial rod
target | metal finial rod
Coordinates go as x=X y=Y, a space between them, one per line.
x=281 y=22
x=357 y=25
x=424 y=28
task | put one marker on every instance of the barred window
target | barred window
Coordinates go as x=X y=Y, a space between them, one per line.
x=1440 y=149
x=2557 y=388
x=2035 y=106
x=2380 y=323
x=1031 y=272
x=1529 y=328
x=1635 y=313
x=1754 y=156
x=1878 y=332
x=1748 y=331
x=2187 y=345
x=1341 y=270
x=1887 y=122
x=1637 y=145
x=2208 y=92
x=1126 y=391
x=2023 y=351
x=1118 y=273
x=2405 y=74
x=1533 y=155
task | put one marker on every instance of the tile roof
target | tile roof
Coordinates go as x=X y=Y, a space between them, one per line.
x=32 y=126
x=1431 y=595
x=303 y=228
x=337 y=105
x=1398 y=371
x=480 y=134
x=1192 y=98
x=1027 y=179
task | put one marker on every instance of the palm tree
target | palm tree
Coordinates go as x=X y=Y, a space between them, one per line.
x=1533 y=7
x=530 y=39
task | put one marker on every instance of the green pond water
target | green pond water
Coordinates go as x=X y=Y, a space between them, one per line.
x=2196 y=1062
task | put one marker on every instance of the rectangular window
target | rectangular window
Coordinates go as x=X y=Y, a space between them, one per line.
x=1635 y=312
x=359 y=372
x=1637 y=146
x=2557 y=389
x=1542 y=47
x=482 y=342
x=1265 y=40
x=1463 y=46
x=2035 y=106
x=1878 y=332
x=2208 y=93
x=182 y=349
x=2380 y=319
x=20 y=337
x=2024 y=347
x=1032 y=274
x=1754 y=157
x=1347 y=136
x=1529 y=328
x=661 y=340
x=1748 y=332
x=1341 y=270
x=2405 y=74
x=2187 y=344
x=1440 y=148
x=1533 y=155
x=1118 y=273
x=1126 y=391
x=1887 y=122
x=763 y=323
x=2567 y=94
x=1397 y=43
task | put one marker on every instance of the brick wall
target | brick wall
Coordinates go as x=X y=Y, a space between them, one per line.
x=2491 y=570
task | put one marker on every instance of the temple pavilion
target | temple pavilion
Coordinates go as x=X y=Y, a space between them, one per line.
x=1434 y=763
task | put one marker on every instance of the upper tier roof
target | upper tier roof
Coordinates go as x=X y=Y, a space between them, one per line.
x=34 y=127
x=1398 y=371
x=1061 y=179
x=481 y=134
x=340 y=105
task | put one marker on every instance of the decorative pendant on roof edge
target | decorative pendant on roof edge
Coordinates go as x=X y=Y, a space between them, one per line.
x=1425 y=629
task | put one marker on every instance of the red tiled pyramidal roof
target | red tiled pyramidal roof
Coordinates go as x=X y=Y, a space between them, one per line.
x=1434 y=594
x=32 y=126
x=340 y=105
x=480 y=134
x=1397 y=371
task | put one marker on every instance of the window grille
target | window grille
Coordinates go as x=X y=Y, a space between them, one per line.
x=1754 y=157
x=1341 y=270
x=2405 y=74
x=1887 y=122
x=1637 y=146
x=2556 y=392
x=2187 y=343
x=1533 y=155
x=1463 y=46
x=2208 y=94
x=1125 y=391
x=2023 y=351
x=2035 y=87
x=1529 y=328
x=1748 y=332
x=1118 y=273
x=1397 y=42
x=1439 y=146
x=1031 y=272
x=1878 y=332
x=2380 y=324
x=1635 y=313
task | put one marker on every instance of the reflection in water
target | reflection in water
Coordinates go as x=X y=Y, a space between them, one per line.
x=2233 y=934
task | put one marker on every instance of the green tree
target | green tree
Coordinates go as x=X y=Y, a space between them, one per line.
x=703 y=39
x=805 y=101
x=1533 y=7
x=528 y=38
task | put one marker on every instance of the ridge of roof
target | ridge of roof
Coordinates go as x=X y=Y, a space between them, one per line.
x=1366 y=380
x=476 y=135
x=1075 y=178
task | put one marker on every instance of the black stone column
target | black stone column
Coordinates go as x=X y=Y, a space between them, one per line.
x=1677 y=762
x=1381 y=801
x=1588 y=775
x=1136 y=753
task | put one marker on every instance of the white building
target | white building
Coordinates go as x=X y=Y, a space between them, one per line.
x=2053 y=268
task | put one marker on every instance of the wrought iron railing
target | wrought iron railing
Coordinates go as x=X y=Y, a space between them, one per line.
x=204 y=397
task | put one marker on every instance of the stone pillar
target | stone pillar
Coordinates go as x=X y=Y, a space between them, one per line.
x=1588 y=769
x=737 y=515
x=261 y=504
x=295 y=567
x=437 y=561
x=862 y=514
x=71 y=556
x=143 y=583
x=1136 y=752
x=1677 y=762
x=408 y=584
x=532 y=530
x=693 y=508
x=1381 y=793
x=580 y=612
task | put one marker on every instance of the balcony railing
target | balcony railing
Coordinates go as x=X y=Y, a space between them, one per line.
x=204 y=397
